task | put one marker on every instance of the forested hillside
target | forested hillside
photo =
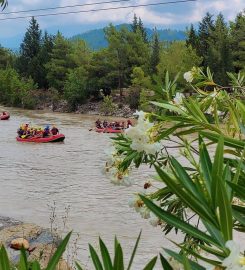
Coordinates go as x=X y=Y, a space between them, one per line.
x=96 y=39
x=133 y=64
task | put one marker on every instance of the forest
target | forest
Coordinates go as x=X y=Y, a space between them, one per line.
x=133 y=65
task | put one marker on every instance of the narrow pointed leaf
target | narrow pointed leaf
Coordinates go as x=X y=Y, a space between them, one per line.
x=165 y=263
x=151 y=264
x=118 y=260
x=105 y=256
x=134 y=251
x=58 y=253
x=95 y=258
x=4 y=260
x=178 y=223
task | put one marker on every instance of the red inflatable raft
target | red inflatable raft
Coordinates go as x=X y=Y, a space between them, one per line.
x=54 y=138
x=4 y=116
x=109 y=130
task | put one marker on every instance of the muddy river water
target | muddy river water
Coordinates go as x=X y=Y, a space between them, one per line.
x=35 y=176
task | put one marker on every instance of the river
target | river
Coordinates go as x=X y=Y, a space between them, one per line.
x=34 y=176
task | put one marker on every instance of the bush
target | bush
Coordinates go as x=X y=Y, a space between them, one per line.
x=15 y=91
x=108 y=107
x=133 y=98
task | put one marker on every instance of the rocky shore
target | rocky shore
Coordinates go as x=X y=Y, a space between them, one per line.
x=46 y=101
x=43 y=243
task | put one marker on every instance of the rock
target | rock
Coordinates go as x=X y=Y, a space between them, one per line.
x=18 y=243
x=41 y=241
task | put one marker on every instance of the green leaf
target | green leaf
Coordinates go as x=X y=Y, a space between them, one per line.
x=238 y=144
x=58 y=253
x=186 y=263
x=151 y=264
x=4 y=260
x=238 y=189
x=206 y=164
x=35 y=266
x=95 y=258
x=217 y=170
x=193 y=202
x=105 y=256
x=182 y=176
x=169 y=107
x=165 y=263
x=79 y=267
x=180 y=259
x=239 y=216
x=23 y=265
x=178 y=223
x=134 y=251
x=118 y=260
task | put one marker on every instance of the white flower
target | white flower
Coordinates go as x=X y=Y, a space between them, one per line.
x=188 y=76
x=178 y=99
x=140 y=135
x=120 y=178
x=234 y=261
x=154 y=220
x=145 y=212
x=136 y=203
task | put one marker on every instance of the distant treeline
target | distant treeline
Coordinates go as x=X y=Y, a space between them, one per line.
x=74 y=72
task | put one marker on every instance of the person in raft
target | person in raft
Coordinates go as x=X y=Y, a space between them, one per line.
x=46 y=132
x=54 y=130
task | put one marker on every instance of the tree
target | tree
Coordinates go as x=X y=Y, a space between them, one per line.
x=60 y=63
x=6 y=58
x=118 y=53
x=177 y=58
x=44 y=57
x=28 y=63
x=206 y=26
x=192 y=39
x=100 y=72
x=75 y=88
x=155 y=55
x=219 y=54
x=134 y=25
x=238 y=42
x=137 y=25
x=142 y=30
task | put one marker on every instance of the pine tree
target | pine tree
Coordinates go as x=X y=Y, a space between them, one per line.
x=28 y=63
x=155 y=56
x=206 y=26
x=219 y=52
x=192 y=39
x=238 y=42
x=142 y=30
x=134 y=25
x=60 y=63
x=44 y=57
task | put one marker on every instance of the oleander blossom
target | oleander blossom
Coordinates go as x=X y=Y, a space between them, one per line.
x=113 y=171
x=234 y=261
x=141 y=135
x=188 y=76
x=178 y=99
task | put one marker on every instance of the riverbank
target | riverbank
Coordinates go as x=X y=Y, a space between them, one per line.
x=46 y=100
x=43 y=243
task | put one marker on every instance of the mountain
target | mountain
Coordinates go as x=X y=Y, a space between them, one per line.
x=96 y=38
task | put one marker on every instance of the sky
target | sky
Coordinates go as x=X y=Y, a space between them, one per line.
x=174 y=16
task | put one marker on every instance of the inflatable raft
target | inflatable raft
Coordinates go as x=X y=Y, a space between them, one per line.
x=4 y=116
x=54 y=138
x=109 y=130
